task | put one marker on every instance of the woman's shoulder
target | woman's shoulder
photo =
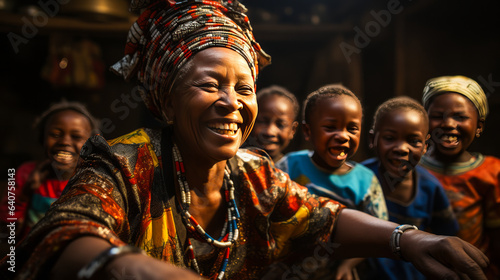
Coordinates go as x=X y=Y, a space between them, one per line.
x=138 y=136
x=128 y=145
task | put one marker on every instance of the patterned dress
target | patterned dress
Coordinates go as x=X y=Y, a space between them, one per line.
x=123 y=191
x=474 y=191
x=429 y=210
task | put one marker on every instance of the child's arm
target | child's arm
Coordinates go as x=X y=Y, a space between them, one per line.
x=440 y=257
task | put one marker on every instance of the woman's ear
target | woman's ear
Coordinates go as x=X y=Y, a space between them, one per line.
x=371 y=138
x=169 y=110
x=306 y=130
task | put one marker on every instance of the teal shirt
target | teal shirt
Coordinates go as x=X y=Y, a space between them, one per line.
x=358 y=188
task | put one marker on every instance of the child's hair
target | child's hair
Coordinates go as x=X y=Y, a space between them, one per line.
x=401 y=102
x=280 y=91
x=64 y=105
x=327 y=91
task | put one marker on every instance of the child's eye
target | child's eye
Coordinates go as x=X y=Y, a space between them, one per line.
x=353 y=129
x=461 y=118
x=282 y=124
x=54 y=134
x=415 y=142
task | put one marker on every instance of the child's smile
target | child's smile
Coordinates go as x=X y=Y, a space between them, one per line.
x=453 y=124
x=334 y=130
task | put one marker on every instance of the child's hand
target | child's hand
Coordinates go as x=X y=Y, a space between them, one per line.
x=347 y=269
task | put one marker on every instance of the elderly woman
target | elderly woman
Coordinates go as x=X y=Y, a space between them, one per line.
x=184 y=201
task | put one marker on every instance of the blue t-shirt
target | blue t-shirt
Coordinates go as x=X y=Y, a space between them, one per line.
x=358 y=188
x=429 y=210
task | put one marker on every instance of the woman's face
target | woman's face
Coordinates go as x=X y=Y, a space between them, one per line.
x=334 y=130
x=213 y=105
x=453 y=124
x=65 y=134
x=275 y=125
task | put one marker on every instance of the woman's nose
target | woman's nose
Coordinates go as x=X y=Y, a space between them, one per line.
x=229 y=100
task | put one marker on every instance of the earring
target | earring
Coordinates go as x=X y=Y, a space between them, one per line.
x=478 y=135
x=169 y=122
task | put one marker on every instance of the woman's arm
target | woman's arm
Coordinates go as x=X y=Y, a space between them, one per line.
x=84 y=250
x=443 y=257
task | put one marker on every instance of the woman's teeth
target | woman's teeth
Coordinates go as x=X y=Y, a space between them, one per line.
x=225 y=128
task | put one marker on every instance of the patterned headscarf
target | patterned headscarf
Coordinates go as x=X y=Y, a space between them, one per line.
x=458 y=84
x=167 y=34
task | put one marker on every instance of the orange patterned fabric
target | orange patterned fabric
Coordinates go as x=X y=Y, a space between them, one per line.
x=123 y=192
x=473 y=189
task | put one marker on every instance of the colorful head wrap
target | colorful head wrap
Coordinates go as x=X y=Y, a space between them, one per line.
x=458 y=84
x=167 y=34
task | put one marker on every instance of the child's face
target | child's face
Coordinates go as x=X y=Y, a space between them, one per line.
x=65 y=134
x=275 y=125
x=334 y=130
x=400 y=141
x=453 y=124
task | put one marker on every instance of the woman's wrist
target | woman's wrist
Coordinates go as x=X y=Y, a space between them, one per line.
x=395 y=241
x=103 y=259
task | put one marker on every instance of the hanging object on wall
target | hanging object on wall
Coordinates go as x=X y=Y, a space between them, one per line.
x=74 y=63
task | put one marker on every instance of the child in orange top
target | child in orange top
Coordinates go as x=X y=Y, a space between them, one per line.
x=276 y=123
x=457 y=108
x=63 y=129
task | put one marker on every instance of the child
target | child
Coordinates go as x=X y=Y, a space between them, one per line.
x=412 y=194
x=457 y=108
x=332 y=118
x=63 y=129
x=276 y=123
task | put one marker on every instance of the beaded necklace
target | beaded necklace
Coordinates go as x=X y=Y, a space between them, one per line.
x=230 y=225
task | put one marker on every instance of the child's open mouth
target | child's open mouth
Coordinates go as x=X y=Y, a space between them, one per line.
x=339 y=154
x=449 y=141
x=64 y=157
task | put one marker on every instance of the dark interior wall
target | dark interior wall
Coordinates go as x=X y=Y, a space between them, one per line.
x=426 y=39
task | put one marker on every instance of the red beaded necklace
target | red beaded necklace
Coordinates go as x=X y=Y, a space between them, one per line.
x=230 y=225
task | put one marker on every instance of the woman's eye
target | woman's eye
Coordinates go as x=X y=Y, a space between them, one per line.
x=209 y=86
x=246 y=90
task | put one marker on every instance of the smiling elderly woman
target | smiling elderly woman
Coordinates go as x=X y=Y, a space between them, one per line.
x=185 y=201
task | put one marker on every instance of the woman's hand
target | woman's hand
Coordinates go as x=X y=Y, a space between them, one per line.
x=139 y=266
x=443 y=257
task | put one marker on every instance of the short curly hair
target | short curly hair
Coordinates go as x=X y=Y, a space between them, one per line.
x=400 y=102
x=326 y=91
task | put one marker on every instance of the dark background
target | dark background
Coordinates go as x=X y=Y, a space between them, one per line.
x=398 y=46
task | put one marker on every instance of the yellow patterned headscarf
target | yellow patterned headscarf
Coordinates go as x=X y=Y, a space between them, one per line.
x=458 y=84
